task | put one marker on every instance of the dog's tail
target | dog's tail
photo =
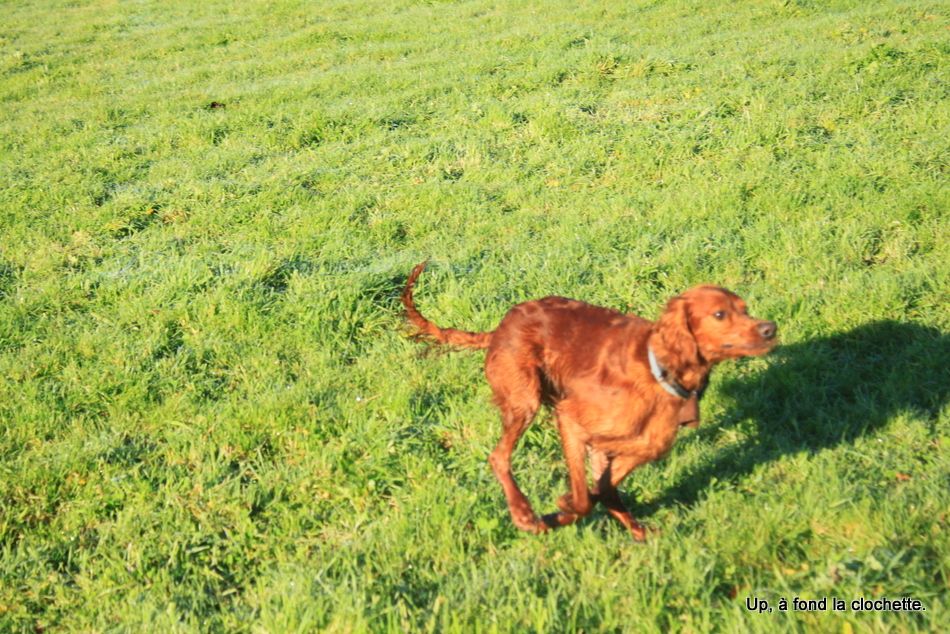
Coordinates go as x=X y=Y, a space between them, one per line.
x=425 y=327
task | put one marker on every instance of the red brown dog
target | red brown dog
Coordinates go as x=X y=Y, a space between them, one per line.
x=620 y=386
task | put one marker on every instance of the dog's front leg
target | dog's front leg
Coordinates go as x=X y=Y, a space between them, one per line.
x=608 y=473
x=577 y=502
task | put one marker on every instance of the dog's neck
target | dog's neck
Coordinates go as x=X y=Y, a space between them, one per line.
x=663 y=377
x=683 y=378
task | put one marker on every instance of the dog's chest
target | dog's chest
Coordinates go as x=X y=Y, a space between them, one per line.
x=624 y=413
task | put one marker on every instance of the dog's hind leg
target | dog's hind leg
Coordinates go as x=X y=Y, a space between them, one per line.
x=517 y=390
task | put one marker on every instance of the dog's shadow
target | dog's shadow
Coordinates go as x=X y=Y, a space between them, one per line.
x=819 y=394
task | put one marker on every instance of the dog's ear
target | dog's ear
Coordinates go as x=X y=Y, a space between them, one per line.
x=677 y=345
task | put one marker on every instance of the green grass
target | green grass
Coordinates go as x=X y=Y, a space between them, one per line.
x=212 y=416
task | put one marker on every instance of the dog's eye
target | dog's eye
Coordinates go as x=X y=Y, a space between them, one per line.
x=720 y=314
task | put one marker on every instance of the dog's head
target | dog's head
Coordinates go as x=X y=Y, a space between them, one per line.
x=711 y=324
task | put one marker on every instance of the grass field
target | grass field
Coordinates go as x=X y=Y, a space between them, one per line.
x=213 y=419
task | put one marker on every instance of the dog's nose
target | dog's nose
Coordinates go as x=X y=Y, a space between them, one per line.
x=767 y=329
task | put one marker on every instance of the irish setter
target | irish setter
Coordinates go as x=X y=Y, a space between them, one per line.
x=621 y=386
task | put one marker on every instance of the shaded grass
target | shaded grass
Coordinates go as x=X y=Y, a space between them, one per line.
x=212 y=419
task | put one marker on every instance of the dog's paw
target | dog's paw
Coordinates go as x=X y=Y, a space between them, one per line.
x=638 y=531
x=557 y=520
x=524 y=518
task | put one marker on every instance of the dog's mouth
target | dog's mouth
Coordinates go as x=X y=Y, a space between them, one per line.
x=751 y=348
